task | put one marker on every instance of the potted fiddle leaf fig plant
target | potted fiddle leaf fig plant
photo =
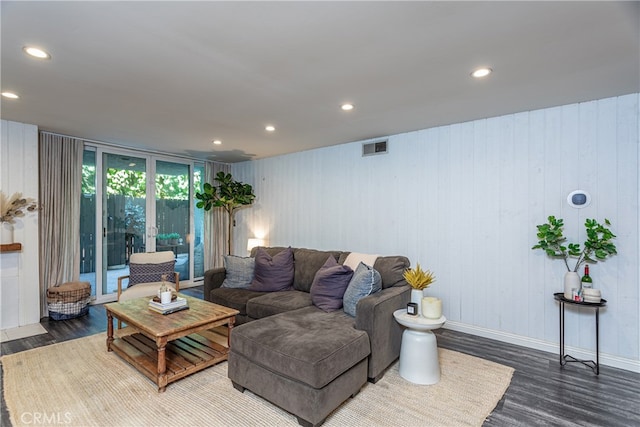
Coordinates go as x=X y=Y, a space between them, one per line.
x=597 y=247
x=229 y=195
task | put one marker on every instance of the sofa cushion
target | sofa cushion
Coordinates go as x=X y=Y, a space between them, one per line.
x=277 y=302
x=239 y=271
x=233 y=298
x=329 y=285
x=365 y=281
x=273 y=273
x=306 y=345
x=307 y=263
x=391 y=269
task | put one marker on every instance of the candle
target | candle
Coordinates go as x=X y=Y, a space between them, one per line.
x=431 y=307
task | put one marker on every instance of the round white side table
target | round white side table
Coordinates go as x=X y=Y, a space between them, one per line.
x=419 y=350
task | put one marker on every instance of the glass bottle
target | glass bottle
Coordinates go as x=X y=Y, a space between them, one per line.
x=586 y=281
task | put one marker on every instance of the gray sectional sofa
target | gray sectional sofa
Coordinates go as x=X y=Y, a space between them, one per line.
x=300 y=357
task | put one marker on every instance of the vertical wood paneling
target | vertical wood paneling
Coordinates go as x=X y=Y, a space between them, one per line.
x=19 y=164
x=463 y=200
x=30 y=290
x=627 y=272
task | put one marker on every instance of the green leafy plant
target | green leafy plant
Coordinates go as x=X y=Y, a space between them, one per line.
x=229 y=195
x=162 y=236
x=173 y=236
x=598 y=244
x=418 y=278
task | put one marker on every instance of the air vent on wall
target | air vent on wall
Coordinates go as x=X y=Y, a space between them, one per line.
x=371 y=148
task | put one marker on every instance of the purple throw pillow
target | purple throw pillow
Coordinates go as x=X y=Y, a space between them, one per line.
x=273 y=273
x=329 y=285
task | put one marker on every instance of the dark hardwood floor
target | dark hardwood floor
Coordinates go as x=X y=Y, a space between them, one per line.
x=542 y=393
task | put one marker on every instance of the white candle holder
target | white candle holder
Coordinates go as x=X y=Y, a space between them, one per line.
x=431 y=307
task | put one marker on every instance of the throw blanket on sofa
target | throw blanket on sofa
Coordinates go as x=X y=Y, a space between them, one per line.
x=354 y=258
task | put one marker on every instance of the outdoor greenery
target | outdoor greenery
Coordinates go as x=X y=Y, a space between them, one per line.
x=168 y=236
x=598 y=243
x=133 y=183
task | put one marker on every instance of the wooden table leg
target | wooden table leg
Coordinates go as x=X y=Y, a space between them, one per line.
x=232 y=320
x=162 y=363
x=109 y=330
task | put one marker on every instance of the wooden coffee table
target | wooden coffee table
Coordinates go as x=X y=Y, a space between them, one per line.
x=168 y=347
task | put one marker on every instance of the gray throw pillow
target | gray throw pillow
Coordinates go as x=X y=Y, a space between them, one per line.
x=273 y=273
x=239 y=271
x=365 y=281
x=329 y=285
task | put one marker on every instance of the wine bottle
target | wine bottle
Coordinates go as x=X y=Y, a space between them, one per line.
x=586 y=281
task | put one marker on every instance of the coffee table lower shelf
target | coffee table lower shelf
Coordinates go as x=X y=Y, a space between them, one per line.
x=183 y=356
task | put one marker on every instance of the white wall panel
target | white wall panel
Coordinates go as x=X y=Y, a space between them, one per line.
x=19 y=161
x=463 y=200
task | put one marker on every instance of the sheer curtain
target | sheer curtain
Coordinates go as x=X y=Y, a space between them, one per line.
x=60 y=162
x=215 y=227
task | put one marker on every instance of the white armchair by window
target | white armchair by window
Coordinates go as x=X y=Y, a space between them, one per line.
x=145 y=275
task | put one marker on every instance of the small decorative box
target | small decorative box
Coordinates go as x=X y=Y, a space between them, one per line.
x=412 y=309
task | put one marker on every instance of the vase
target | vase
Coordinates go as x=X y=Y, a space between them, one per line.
x=6 y=234
x=571 y=282
x=416 y=296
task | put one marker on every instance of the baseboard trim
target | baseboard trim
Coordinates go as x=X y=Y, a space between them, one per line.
x=549 y=347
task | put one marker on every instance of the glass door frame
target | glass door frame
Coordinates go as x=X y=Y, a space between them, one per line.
x=101 y=270
x=150 y=225
x=152 y=211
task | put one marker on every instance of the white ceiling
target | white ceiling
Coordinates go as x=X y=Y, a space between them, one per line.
x=173 y=76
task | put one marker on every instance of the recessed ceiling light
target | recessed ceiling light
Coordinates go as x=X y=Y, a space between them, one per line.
x=269 y=128
x=347 y=107
x=36 y=52
x=131 y=164
x=481 y=72
x=10 y=95
x=217 y=142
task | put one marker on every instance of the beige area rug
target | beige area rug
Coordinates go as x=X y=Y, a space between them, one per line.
x=78 y=383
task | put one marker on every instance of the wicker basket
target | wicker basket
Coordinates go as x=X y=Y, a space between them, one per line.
x=69 y=300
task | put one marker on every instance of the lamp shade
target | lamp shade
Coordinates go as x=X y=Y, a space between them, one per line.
x=252 y=243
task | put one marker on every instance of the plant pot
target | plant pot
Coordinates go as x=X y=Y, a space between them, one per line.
x=416 y=296
x=571 y=282
x=6 y=233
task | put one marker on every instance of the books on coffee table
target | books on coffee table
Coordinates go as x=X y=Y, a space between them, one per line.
x=176 y=305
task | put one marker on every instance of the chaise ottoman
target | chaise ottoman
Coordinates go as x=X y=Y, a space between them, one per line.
x=305 y=361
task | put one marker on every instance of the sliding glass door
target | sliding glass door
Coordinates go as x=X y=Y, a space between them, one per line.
x=172 y=212
x=136 y=203
x=124 y=218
